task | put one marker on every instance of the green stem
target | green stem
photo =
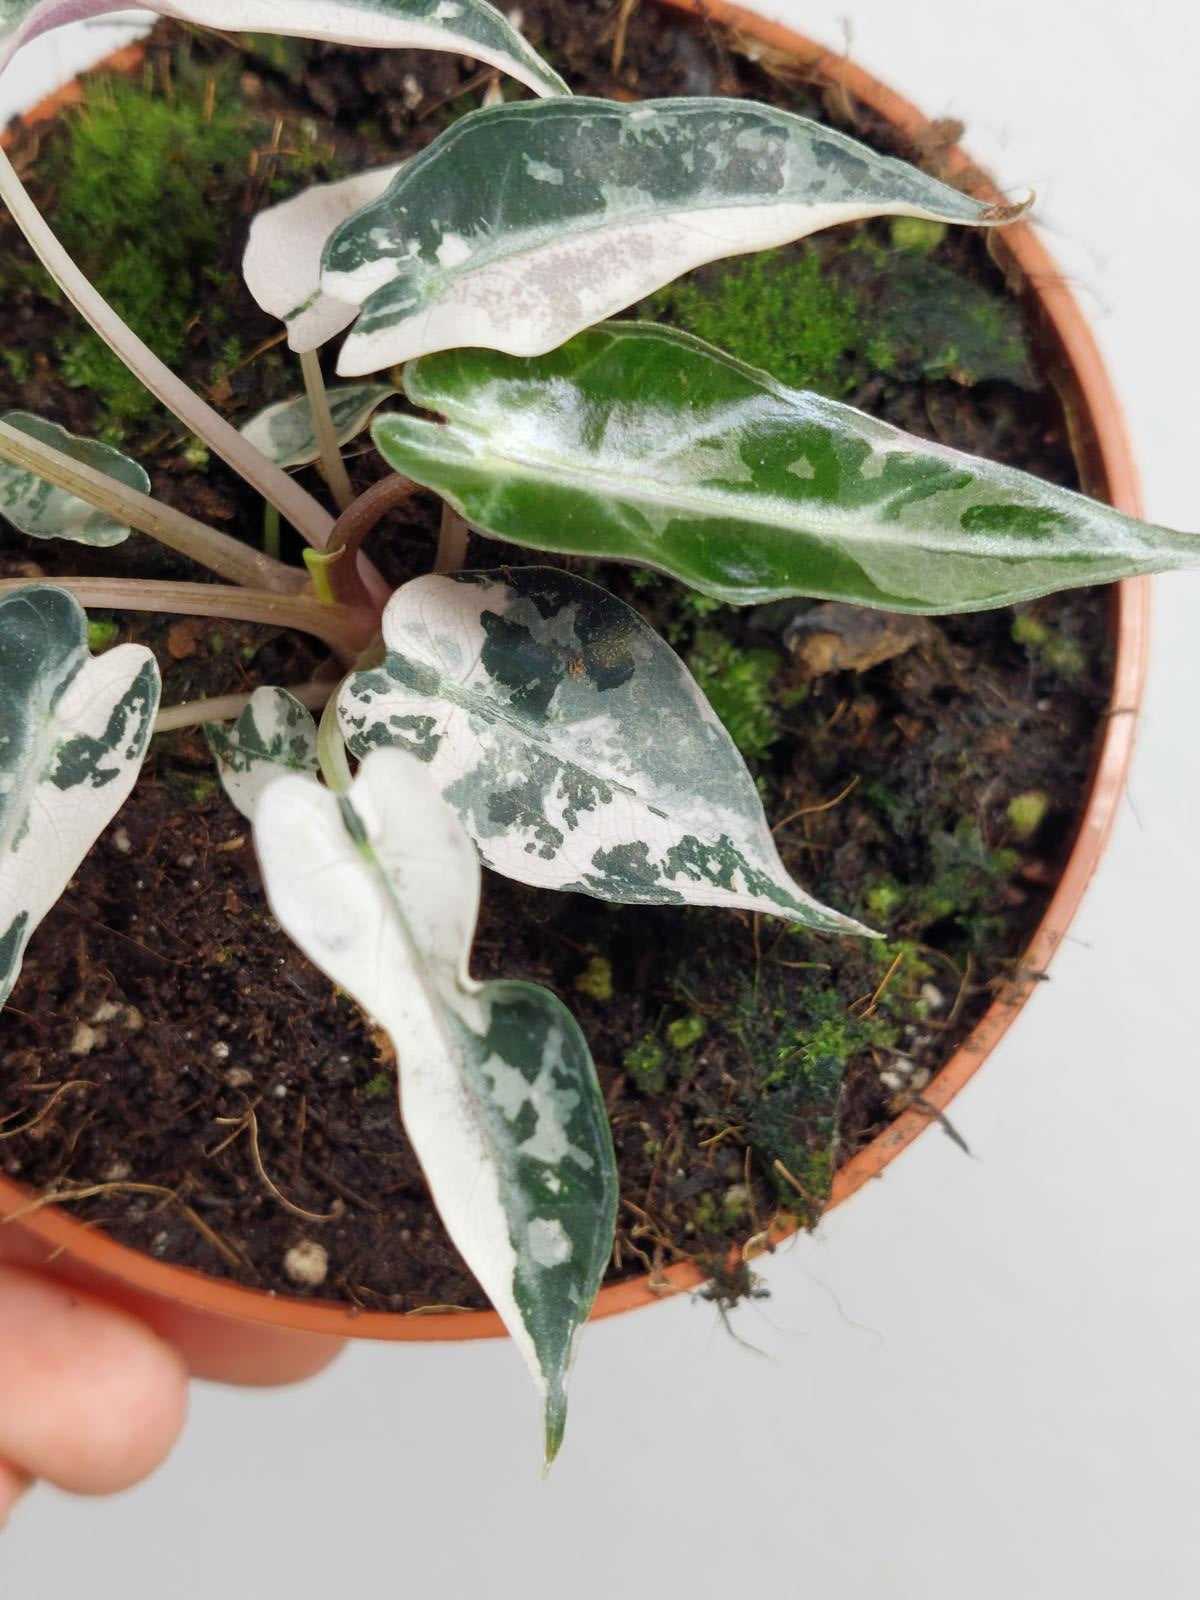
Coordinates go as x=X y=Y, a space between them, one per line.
x=345 y=629
x=331 y=749
x=332 y=464
x=227 y=557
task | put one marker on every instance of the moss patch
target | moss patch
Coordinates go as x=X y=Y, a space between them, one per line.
x=142 y=187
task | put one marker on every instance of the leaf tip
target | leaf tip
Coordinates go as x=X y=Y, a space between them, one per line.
x=1003 y=212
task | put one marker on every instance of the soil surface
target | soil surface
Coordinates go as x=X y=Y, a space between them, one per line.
x=173 y=1061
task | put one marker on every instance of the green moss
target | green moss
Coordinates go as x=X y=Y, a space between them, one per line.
x=596 y=980
x=1049 y=648
x=779 y=310
x=1027 y=812
x=738 y=684
x=686 y=1032
x=916 y=235
x=378 y=1086
x=140 y=187
x=101 y=635
x=646 y=1064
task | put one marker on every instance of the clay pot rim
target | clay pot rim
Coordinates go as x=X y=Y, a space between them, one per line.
x=1106 y=461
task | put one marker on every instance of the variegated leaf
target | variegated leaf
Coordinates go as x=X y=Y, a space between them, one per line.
x=282 y=263
x=73 y=732
x=523 y=223
x=462 y=27
x=497 y=1090
x=285 y=434
x=274 y=735
x=42 y=510
x=643 y=444
x=573 y=743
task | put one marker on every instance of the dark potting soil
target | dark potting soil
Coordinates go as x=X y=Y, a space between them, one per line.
x=173 y=1063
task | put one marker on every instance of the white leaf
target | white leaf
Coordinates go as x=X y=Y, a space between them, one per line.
x=274 y=735
x=282 y=263
x=576 y=747
x=73 y=733
x=380 y=888
x=285 y=434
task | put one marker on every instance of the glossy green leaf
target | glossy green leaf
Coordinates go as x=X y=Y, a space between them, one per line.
x=43 y=511
x=462 y=27
x=73 y=732
x=380 y=888
x=522 y=224
x=573 y=743
x=285 y=433
x=274 y=735
x=282 y=263
x=642 y=444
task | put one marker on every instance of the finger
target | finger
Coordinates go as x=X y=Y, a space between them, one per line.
x=235 y=1352
x=13 y=1484
x=89 y=1398
x=214 y=1347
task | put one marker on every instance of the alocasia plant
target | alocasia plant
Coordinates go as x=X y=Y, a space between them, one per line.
x=524 y=718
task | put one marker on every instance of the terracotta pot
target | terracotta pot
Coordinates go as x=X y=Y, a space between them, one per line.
x=50 y=1236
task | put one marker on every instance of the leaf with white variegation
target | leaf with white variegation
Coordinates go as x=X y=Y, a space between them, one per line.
x=285 y=433
x=282 y=263
x=380 y=888
x=44 y=511
x=576 y=747
x=273 y=735
x=522 y=224
x=462 y=27
x=642 y=444
x=73 y=732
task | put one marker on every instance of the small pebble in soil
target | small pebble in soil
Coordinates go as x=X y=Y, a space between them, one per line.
x=116 y=1172
x=84 y=1040
x=122 y=842
x=220 y=1051
x=307 y=1263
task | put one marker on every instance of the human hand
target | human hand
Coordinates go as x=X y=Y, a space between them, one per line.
x=93 y=1394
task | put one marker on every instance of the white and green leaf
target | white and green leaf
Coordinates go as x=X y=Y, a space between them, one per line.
x=286 y=434
x=380 y=888
x=40 y=509
x=273 y=735
x=573 y=743
x=73 y=732
x=462 y=27
x=642 y=444
x=282 y=263
x=522 y=224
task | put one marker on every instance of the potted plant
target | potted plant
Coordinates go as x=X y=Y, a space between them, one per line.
x=527 y=715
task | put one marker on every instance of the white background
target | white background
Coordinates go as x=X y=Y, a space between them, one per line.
x=982 y=1379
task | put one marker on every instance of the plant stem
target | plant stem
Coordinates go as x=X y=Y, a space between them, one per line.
x=271 y=530
x=332 y=464
x=227 y=557
x=295 y=504
x=331 y=748
x=228 y=707
x=345 y=629
x=452 y=542
x=345 y=569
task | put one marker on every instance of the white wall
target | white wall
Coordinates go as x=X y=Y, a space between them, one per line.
x=982 y=1380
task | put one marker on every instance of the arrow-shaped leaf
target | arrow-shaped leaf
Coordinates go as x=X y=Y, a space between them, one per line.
x=44 y=511
x=522 y=224
x=573 y=743
x=643 y=444
x=73 y=732
x=463 y=27
x=274 y=735
x=497 y=1088
x=282 y=264
x=285 y=434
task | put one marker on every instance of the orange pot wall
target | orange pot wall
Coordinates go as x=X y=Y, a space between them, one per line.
x=50 y=1236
